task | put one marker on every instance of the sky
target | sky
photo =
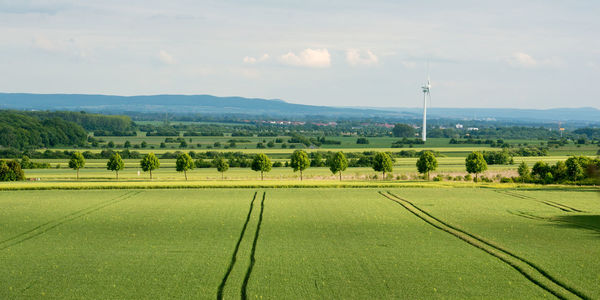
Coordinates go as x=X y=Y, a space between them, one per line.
x=519 y=54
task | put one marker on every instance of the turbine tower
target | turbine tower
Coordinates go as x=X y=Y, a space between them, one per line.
x=426 y=94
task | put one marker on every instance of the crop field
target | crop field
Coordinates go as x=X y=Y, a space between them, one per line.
x=301 y=243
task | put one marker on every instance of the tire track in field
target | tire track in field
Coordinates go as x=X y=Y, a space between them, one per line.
x=533 y=273
x=43 y=228
x=235 y=250
x=557 y=205
x=253 y=251
x=553 y=220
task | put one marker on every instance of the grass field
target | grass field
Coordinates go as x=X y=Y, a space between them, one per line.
x=300 y=243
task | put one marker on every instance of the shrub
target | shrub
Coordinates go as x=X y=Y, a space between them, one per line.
x=468 y=177
x=506 y=180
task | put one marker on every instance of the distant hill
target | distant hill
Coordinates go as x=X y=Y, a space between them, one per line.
x=207 y=104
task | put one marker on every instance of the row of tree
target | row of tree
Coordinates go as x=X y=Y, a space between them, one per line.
x=299 y=161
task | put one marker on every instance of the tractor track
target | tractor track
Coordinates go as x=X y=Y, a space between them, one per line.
x=557 y=205
x=235 y=250
x=553 y=220
x=533 y=273
x=244 y=290
x=43 y=228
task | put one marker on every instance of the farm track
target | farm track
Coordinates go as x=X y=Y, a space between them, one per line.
x=557 y=205
x=529 y=270
x=253 y=251
x=235 y=251
x=43 y=228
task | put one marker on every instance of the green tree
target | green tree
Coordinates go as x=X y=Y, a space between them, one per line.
x=77 y=162
x=127 y=144
x=523 y=171
x=337 y=163
x=149 y=162
x=222 y=165
x=299 y=161
x=11 y=171
x=574 y=169
x=26 y=162
x=261 y=163
x=403 y=130
x=184 y=163
x=540 y=169
x=115 y=163
x=475 y=163
x=426 y=163
x=382 y=162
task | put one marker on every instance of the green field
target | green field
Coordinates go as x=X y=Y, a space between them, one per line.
x=301 y=243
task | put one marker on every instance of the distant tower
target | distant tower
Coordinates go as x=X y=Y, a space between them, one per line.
x=426 y=94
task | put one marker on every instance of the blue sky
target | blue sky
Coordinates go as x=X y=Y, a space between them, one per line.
x=523 y=54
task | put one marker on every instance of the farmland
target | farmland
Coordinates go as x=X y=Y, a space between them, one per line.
x=301 y=243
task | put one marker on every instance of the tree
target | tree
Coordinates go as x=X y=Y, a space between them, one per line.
x=523 y=171
x=426 y=163
x=127 y=144
x=184 y=163
x=403 y=130
x=222 y=165
x=115 y=163
x=76 y=162
x=540 y=169
x=26 y=162
x=475 y=163
x=574 y=169
x=382 y=162
x=11 y=171
x=299 y=161
x=261 y=163
x=150 y=162
x=338 y=163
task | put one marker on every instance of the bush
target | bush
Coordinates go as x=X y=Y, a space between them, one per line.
x=11 y=171
x=438 y=178
x=468 y=177
x=362 y=141
x=506 y=180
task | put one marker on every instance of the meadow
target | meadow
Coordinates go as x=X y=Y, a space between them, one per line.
x=301 y=243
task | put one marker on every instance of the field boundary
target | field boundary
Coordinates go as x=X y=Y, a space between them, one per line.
x=221 y=287
x=253 y=250
x=43 y=228
x=529 y=270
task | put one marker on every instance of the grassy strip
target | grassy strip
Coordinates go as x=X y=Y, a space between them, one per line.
x=84 y=185
x=235 y=250
x=41 y=229
x=253 y=251
x=531 y=271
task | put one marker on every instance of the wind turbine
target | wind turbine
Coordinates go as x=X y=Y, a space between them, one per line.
x=426 y=94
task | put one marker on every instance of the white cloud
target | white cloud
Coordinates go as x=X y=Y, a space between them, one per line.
x=520 y=59
x=356 y=57
x=166 y=57
x=314 y=58
x=68 y=47
x=524 y=60
x=251 y=60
